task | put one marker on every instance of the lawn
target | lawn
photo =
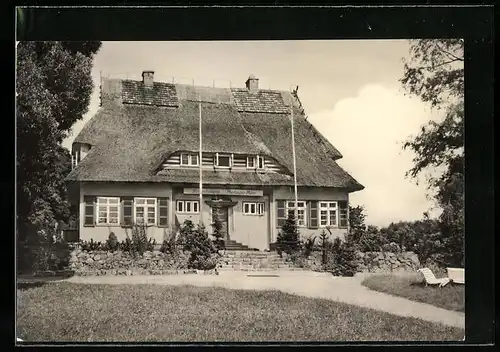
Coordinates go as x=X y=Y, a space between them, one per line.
x=451 y=297
x=77 y=312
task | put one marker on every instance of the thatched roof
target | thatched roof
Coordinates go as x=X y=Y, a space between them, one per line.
x=131 y=140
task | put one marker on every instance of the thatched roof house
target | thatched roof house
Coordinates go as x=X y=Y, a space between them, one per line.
x=145 y=132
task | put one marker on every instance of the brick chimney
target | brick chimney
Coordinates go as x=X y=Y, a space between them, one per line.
x=148 y=78
x=252 y=83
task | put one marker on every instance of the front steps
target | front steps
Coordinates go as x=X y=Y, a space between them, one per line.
x=251 y=260
x=232 y=245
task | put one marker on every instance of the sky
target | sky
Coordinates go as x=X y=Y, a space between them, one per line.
x=349 y=89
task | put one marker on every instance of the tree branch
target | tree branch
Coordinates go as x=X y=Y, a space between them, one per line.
x=456 y=58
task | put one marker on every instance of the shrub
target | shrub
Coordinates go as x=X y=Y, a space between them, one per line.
x=217 y=233
x=197 y=242
x=309 y=246
x=391 y=247
x=169 y=245
x=140 y=241
x=112 y=243
x=342 y=261
x=126 y=245
x=91 y=245
x=288 y=238
x=44 y=249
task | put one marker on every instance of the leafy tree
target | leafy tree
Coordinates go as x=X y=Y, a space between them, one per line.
x=357 y=225
x=53 y=90
x=435 y=73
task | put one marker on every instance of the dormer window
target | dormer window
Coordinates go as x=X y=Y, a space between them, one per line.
x=255 y=162
x=260 y=162
x=223 y=160
x=250 y=162
x=189 y=159
x=75 y=159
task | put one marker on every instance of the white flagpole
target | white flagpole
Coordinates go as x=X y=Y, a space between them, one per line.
x=200 y=162
x=294 y=163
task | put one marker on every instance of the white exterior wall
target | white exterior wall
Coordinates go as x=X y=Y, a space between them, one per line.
x=251 y=230
x=320 y=194
x=101 y=232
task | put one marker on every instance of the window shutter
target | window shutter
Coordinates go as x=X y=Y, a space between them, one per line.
x=343 y=214
x=127 y=212
x=162 y=212
x=313 y=214
x=89 y=215
x=280 y=216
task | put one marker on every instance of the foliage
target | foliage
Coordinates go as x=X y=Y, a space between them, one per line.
x=140 y=241
x=112 y=243
x=372 y=240
x=357 y=225
x=217 y=233
x=169 y=245
x=91 y=245
x=288 y=238
x=53 y=86
x=45 y=250
x=324 y=243
x=127 y=245
x=435 y=73
x=197 y=242
x=53 y=90
x=343 y=259
x=309 y=245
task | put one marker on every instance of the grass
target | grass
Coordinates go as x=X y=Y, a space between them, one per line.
x=117 y=313
x=411 y=286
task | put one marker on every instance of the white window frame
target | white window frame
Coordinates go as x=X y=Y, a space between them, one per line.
x=252 y=158
x=230 y=156
x=100 y=203
x=190 y=159
x=328 y=206
x=184 y=207
x=260 y=158
x=259 y=208
x=145 y=205
x=301 y=206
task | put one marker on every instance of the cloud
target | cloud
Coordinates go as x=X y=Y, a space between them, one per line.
x=369 y=130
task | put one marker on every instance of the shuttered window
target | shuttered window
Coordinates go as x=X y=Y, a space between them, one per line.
x=89 y=219
x=127 y=212
x=343 y=214
x=162 y=212
x=281 y=214
x=313 y=214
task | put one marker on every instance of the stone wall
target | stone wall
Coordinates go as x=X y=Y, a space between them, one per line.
x=87 y=263
x=375 y=261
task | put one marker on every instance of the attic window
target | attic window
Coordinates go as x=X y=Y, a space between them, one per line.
x=189 y=159
x=250 y=162
x=223 y=160
x=260 y=162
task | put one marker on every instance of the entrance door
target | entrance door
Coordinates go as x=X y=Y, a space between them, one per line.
x=222 y=214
